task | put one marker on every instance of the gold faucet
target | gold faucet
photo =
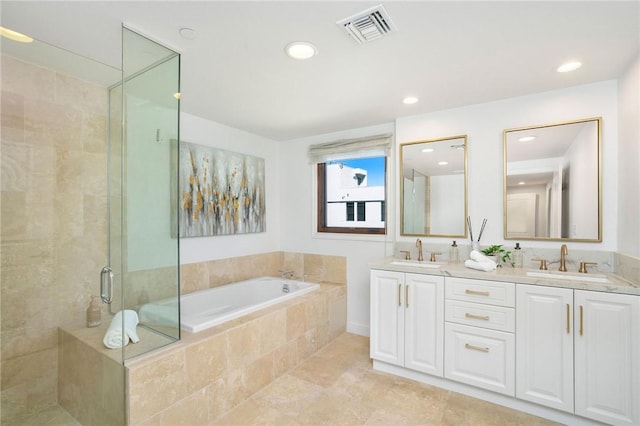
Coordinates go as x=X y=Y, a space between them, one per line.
x=433 y=256
x=419 y=245
x=563 y=255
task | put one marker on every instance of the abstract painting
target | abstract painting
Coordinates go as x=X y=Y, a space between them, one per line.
x=221 y=192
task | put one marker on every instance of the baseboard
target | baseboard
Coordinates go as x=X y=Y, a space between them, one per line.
x=359 y=329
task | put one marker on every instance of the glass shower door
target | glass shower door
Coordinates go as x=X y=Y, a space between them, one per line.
x=143 y=158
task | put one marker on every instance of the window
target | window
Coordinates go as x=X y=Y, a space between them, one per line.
x=352 y=184
x=351 y=196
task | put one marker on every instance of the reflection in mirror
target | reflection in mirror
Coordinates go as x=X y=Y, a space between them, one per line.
x=552 y=181
x=433 y=188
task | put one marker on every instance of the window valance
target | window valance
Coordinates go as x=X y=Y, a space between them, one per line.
x=370 y=146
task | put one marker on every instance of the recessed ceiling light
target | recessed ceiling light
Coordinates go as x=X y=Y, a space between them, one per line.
x=410 y=100
x=187 y=33
x=427 y=150
x=569 y=66
x=300 y=50
x=14 y=35
x=442 y=163
x=526 y=139
x=521 y=183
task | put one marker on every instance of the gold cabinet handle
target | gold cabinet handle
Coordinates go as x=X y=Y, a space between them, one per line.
x=476 y=348
x=477 y=293
x=399 y=294
x=581 y=324
x=478 y=317
x=406 y=295
x=568 y=320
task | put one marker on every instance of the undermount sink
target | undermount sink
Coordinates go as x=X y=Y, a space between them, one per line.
x=415 y=263
x=568 y=276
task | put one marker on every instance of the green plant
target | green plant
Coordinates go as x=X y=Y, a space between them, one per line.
x=497 y=250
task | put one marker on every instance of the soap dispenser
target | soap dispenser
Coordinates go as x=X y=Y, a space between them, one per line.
x=93 y=312
x=517 y=256
x=453 y=253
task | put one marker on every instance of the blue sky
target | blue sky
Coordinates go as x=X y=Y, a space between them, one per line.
x=374 y=167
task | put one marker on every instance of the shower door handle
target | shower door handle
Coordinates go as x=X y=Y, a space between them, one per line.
x=106 y=280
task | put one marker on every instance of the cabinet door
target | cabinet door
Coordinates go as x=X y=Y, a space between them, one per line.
x=607 y=357
x=544 y=346
x=387 y=316
x=424 y=323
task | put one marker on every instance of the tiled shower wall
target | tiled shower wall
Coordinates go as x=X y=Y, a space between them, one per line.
x=53 y=222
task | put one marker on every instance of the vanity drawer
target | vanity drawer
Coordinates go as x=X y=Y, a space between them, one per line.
x=480 y=357
x=481 y=291
x=480 y=315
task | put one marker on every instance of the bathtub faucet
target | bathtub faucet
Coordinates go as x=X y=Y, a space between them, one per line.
x=286 y=274
x=285 y=288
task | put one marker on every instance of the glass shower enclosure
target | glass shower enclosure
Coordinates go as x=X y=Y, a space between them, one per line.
x=89 y=180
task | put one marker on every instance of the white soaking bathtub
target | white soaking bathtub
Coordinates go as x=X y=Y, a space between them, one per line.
x=207 y=308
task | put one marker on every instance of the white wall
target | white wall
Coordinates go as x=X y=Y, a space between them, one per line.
x=200 y=131
x=484 y=124
x=297 y=189
x=629 y=162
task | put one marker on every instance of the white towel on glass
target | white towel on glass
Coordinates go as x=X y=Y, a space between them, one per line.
x=122 y=329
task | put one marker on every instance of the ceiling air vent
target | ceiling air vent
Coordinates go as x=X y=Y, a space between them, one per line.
x=368 y=25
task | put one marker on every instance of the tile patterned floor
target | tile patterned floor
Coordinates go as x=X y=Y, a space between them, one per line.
x=338 y=386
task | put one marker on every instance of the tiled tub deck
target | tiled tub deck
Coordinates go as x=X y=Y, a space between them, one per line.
x=204 y=375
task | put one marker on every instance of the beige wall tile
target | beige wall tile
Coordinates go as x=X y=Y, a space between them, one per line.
x=258 y=374
x=191 y=411
x=226 y=393
x=243 y=344
x=272 y=331
x=220 y=272
x=206 y=362
x=155 y=386
x=193 y=277
x=26 y=79
x=296 y=320
x=335 y=269
x=285 y=358
x=11 y=116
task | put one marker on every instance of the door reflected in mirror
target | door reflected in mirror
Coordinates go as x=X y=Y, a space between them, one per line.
x=552 y=181
x=433 y=187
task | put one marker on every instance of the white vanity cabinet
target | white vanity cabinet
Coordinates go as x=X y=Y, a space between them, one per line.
x=407 y=320
x=579 y=351
x=607 y=356
x=479 y=334
x=544 y=345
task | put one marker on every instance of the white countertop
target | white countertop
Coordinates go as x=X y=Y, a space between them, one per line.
x=614 y=284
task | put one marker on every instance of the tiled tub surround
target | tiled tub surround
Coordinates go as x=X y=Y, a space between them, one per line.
x=206 y=374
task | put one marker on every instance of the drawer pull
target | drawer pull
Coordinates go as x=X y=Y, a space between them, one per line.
x=476 y=348
x=568 y=319
x=399 y=294
x=581 y=319
x=478 y=317
x=477 y=293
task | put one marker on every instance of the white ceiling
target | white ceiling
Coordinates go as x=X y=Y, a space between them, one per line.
x=448 y=53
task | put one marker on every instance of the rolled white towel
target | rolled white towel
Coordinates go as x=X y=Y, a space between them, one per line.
x=117 y=336
x=481 y=266
x=480 y=257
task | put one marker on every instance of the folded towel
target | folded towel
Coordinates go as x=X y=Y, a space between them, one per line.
x=481 y=266
x=480 y=257
x=122 y=328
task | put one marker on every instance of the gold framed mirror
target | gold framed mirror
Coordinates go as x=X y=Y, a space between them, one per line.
x=433 y=187
x=553 y=181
